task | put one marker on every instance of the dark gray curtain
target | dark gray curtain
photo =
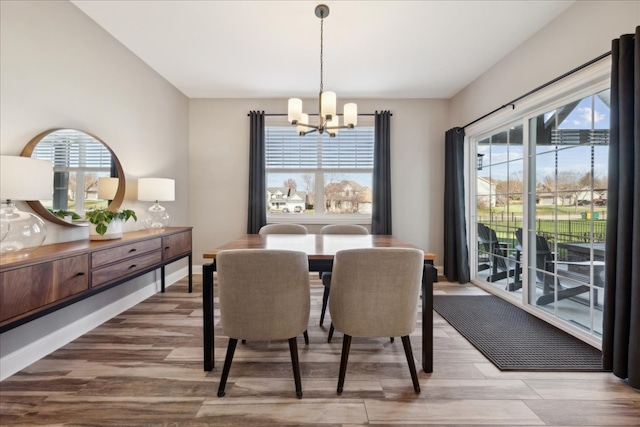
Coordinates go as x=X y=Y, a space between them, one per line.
x=456 y=253
x=257 y=187
x=621 y=323
x=381 y=212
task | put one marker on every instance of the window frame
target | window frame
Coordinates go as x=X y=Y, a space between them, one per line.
x=319 y=181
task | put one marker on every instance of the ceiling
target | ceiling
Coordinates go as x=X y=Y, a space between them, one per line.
x=271 y=49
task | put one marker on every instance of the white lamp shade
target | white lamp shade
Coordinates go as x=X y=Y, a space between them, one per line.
x=294 y=110
x=305 y=120
x=351 y=114
x=107 y=188
x=328 y=104
x=160 y=189
x=24 y=178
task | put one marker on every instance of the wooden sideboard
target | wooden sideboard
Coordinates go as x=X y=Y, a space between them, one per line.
x=54 y=276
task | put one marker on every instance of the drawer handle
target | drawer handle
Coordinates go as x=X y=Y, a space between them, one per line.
x=132 y=250
x=80 y=274
x=167 y=247
x=132 y=266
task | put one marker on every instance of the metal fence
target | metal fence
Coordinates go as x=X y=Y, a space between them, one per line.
x=565 y=230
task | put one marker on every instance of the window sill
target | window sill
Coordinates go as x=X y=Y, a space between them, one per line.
x=318 y=219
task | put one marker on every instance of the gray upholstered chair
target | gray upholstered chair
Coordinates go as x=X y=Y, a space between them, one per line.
x=326 y=275
x=375 y=293
x=264 y=295
x=283 y=229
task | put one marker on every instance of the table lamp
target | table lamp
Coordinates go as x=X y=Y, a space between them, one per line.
x=107 y=188
x=156 y=190
x=25 y=179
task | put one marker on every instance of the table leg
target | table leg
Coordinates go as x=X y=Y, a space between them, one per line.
x=427 y=318
x=190 y=273
x=207 y=315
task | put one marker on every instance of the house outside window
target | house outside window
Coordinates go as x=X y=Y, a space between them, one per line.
x=318 y=177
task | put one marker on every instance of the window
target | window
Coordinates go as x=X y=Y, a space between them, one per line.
x=319 y=176
x=539 y=202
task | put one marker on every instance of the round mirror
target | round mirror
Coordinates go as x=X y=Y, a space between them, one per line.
x=80 y=162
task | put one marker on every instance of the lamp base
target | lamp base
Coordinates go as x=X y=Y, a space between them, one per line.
x=157 y=217
x=22 y=232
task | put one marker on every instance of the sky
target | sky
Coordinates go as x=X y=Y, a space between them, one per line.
x=591 y=112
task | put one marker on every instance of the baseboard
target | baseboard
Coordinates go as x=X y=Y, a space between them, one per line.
x=25 y=356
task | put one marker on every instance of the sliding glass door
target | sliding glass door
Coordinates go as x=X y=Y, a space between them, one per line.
x=540 y=210
x=569 y=151
x=499 y=207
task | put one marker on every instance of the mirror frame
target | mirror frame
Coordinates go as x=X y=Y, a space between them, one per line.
x=39 y=208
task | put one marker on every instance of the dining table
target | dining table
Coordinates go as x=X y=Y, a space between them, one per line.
x=320 y=250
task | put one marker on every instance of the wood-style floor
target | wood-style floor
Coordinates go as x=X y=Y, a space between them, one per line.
x=144 y=368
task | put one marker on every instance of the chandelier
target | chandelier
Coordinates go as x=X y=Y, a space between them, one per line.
x=327 y=118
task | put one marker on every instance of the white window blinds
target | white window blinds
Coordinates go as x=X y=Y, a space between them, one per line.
x=73 y=151
x=350 y=149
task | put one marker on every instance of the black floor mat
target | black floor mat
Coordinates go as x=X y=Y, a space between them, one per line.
x=514 y=339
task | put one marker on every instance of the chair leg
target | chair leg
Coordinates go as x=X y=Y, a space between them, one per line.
x=231 y=348
x=406 y=342
x=293 y=349
x=331 y=329
x=306 y=337
x=346 y=346
x=325 y=298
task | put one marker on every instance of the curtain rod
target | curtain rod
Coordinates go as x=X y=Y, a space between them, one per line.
x=284 y=114
x=550 y=82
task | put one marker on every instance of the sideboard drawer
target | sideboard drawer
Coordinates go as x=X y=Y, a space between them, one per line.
x=36 y=286
x=176 y=244
x=123 y=269
x=58 y=275
x=119 y=253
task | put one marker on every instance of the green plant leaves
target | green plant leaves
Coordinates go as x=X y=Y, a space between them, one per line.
x=102 y=217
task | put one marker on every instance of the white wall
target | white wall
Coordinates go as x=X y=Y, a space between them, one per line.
x=581 y=33
x=59 y=69
x=219 y=162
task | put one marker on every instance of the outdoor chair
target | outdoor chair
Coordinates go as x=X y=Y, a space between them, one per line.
x=486 y=245
x=503 y=263
x=544 y=260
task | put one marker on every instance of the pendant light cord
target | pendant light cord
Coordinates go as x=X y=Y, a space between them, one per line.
x=321 y=48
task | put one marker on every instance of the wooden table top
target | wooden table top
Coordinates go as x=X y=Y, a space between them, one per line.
x=316 y=246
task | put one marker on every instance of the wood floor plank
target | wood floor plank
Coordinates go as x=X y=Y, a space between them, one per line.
x=459 y=412
x=587 y=412
x=144 y=368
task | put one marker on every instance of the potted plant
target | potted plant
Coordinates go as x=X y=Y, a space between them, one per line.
x=66 y=215
x=106 y=224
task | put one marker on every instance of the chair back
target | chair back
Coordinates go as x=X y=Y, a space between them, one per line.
x=374 y=292
x=264 y=294
x=344 y=229
x=283 y=229
x=544 y=256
